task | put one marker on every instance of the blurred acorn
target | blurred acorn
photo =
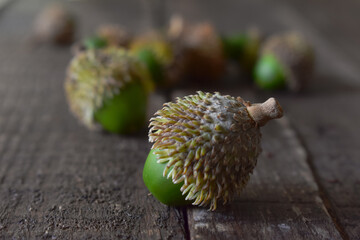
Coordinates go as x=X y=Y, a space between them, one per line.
x=199 y=48
x=54 y=24
x=243 y=48
x=158 y=56
x=205 y=148
x=106 y=36
x=286 y=61
x=114 y=35
x=108 y=87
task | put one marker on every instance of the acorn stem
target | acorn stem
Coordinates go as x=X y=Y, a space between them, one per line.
x=261 y=113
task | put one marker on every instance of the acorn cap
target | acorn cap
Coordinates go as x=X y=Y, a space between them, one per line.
x=115 y=35
x=94 y=76
x=210 y=142
x=296 y=56
x=54 y=24
x=199 y=48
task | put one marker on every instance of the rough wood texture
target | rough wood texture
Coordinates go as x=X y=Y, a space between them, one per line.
x=326 y=117
x=57 y=179
x=328 y=126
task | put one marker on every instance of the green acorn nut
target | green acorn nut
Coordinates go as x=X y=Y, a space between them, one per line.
x=106 y=36
x=109 y=87
x=156 y=53
x=243 y=47
x=205 y=148
x=287 y=60
x=95 y=42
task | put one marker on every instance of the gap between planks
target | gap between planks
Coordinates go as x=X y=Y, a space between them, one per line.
x=329 y=206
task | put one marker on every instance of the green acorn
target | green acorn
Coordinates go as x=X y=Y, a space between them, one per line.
x=108 y=87
x=157 y=54
x=106 y=36
x=243 y=47
x=287 y=60
x=207 y=146
x=94 y=42
x=54 y=24
x=199 y=48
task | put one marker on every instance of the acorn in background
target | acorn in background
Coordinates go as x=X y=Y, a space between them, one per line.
x=107 y=35
x=286 y=61
x=114 y=35
x=205 y=148
x=243 y=48
x=108 y=88
x=157 y=54
x=54 y=24
x=199 y=48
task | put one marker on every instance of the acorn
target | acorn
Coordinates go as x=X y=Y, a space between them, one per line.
x=54 y=24
x=205 y=147
x=286 y=61
x=109 y=88
x=157 y=54
x=106 y=36
x=114 y=35
x=243 y=48
x=199 y=48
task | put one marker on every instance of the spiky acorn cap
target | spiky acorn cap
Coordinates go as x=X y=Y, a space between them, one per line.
x=210 y=142
x=296 y=56
x=94 y=76
x=199 y=47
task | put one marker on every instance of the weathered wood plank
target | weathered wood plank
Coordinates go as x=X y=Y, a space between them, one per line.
x=329 y=127
x=58 y=180
x=326 y=117
x=281 y=200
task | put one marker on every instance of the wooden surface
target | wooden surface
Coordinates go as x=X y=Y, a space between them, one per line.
x=60 y=181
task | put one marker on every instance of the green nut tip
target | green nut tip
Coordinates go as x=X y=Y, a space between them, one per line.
x=162 y=188
x=148 y=57
x=124 y=112
x=269 y=73
x=95 y=42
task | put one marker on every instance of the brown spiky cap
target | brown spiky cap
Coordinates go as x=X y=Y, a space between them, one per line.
x=199 y=47
x=295 y=54
x=210 y=142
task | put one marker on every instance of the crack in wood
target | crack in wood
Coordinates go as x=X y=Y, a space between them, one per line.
x=325 y=198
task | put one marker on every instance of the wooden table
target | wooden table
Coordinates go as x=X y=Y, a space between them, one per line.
x=60 y=181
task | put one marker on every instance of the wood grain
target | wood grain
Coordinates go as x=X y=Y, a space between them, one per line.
x=57 y=179
x=328 y=125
